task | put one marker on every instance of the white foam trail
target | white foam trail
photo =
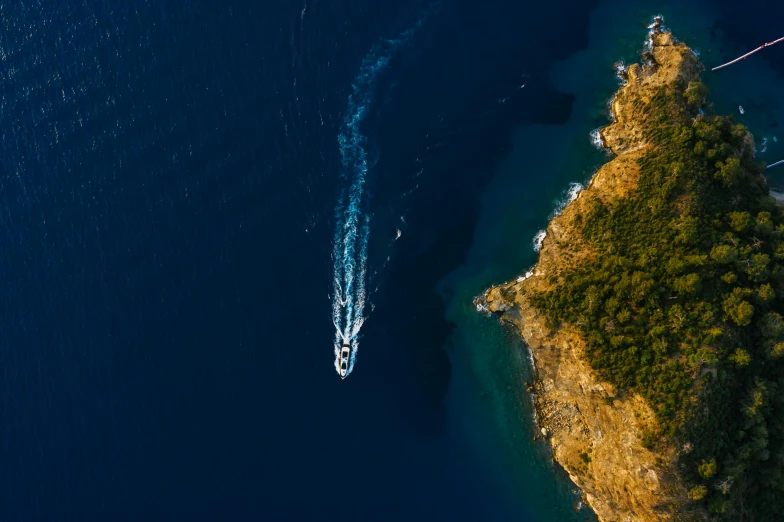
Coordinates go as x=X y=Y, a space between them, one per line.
x=352 y=231
x=761 y=47
x=776 y=164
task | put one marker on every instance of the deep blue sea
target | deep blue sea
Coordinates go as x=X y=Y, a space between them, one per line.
x=194 y=195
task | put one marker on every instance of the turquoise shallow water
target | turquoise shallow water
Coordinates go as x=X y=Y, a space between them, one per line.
x=528 y=186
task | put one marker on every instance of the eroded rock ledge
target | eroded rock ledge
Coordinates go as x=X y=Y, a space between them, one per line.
x=595 y=432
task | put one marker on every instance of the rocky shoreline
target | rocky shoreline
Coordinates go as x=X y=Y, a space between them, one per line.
x=596 y=432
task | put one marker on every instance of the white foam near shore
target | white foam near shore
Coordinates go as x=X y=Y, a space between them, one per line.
x=539 y=239
x=656 y=26
x=596 y=139
x=620 y=72
x=528 y=274
x=569 y=195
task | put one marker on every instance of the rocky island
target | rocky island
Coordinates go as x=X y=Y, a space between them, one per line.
x=654 y=313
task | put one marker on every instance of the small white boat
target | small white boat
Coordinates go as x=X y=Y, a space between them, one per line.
x=345 y=354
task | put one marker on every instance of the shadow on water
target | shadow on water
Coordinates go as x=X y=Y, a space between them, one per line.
x=455 y=109
x=444 y=232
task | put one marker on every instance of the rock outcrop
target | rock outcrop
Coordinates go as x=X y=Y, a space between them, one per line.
x=596 y=432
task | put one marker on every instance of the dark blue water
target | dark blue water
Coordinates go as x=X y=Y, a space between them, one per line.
x=169 y=173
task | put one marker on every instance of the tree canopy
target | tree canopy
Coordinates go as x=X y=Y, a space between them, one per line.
x=683 y=303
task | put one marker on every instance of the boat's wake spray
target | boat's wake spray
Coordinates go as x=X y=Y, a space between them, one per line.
x=350 y=248
x=776 y=164
x=736 y=60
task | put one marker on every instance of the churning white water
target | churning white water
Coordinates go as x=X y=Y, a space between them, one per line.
x=352 y=230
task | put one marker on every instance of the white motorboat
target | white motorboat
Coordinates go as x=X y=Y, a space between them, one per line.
x=343 y=361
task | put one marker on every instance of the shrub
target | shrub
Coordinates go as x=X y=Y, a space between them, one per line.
x=729 y=172
x=698 y=492
x=707 y=469
x=724 y=254
x=740 y=221
x=695 y=94
x=741 y=357
x=738 y=310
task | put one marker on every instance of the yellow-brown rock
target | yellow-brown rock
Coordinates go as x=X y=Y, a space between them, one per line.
x=595 y=432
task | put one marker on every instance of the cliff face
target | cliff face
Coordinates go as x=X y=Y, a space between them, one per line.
x=595 y=432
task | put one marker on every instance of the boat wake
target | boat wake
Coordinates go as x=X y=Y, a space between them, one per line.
x=352 y=230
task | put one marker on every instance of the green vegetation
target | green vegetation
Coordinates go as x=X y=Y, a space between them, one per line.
x=683 y=304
